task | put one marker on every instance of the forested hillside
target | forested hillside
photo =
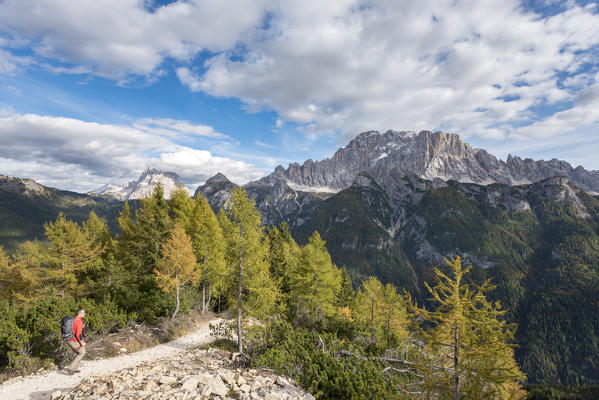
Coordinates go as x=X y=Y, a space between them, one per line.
x=538 y=243
x=26 y=205
x=337 y=342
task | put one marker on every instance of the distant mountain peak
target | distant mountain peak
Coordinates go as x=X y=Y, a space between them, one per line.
x=143 y=187
x=428 y=155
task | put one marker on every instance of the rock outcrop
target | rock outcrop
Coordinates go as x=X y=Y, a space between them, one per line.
x=197 y=374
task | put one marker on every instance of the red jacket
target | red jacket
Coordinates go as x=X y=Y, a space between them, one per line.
x=77 y=329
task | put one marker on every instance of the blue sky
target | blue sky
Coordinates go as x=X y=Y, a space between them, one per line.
x=94 y=92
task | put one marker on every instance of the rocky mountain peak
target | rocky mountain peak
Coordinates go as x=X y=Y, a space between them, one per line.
x=426 y=154
x=218 y=178
x=217 y=189
x=143 y=187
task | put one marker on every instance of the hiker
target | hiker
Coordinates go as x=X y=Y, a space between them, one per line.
x=77 y=342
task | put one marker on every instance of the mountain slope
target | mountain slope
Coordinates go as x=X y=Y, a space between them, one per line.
x=26 y=205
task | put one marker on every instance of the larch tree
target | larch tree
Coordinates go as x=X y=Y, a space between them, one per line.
x=209 y=246
x=470 y=350
x=25 y=277
x=72 y=251
x=367 y=307
x=381 y=311
x=314 y=282
x=177 y=266
x=283 y=256
x=140 y=247
x=247 y=255
x=346 y=291
x=182 y=206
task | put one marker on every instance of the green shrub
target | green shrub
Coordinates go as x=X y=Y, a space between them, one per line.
x=309 y=358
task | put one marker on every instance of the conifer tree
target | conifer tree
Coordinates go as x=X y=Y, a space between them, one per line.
x=71 y=252
x=283 y=258
x=25 y=276
x=346 y=291
x=470 y=350
x=102 y=275
x=209 y=246
x=256 y=291
x=6 y=275
x=314 y=282
x=182 y=206
x=367 y=307
x=140 y=248
x=177 y=266
x=381 y=311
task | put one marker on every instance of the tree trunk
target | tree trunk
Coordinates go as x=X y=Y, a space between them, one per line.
x=203 y=295
x=204 y=285
x=209 y=296
x=456 y=376
x=388 y=326
x=372 y=320
x=177 y=306
x=239 y=286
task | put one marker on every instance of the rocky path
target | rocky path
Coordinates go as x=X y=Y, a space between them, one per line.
x=196 y=374
x=37 y=387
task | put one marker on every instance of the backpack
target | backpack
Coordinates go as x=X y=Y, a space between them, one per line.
x=66 y=327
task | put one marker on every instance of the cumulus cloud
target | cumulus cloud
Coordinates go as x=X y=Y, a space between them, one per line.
x=470 y=67
x=80 y=155
x=481 y=68
x=115 y=38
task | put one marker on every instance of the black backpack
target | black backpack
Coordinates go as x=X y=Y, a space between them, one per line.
x=66 y=327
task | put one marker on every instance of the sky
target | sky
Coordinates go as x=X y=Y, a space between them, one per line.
x=94 y=92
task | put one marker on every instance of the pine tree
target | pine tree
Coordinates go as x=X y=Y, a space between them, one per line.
x=247 y=255
x=314 y=282
x=177 y=266
x=470 y=350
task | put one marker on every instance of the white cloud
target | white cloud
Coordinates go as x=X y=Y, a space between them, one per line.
x=340 y=66
x=79 y=155
x=174 y=127
x=9 y=63
x=344 y=67
x=195 y=166
x=115 y=38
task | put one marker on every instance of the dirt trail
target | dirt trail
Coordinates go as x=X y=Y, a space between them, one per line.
x=37 y=387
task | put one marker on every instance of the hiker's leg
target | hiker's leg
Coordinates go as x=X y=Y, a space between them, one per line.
x=80 y=353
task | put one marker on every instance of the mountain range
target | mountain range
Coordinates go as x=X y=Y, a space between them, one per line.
x=395 y=204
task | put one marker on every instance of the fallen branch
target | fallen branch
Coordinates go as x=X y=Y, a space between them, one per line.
x=346 y=353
